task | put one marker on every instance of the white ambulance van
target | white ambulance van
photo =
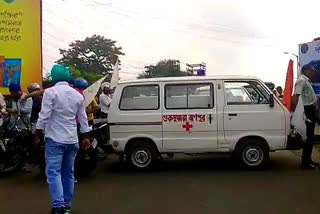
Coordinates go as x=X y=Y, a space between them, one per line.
x=194 y=115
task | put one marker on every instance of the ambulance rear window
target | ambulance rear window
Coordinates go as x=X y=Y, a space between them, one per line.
x=142 y=97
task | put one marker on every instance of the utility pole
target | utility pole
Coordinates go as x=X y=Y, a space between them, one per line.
x=298 y=62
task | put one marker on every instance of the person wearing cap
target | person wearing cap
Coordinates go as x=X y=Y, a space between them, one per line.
x=303 y=89
x=105 y=100
x=19 y=107
x=61 y=104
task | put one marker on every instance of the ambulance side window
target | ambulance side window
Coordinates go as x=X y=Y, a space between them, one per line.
x=189 y=96
x=141 y=97
x=237 y=93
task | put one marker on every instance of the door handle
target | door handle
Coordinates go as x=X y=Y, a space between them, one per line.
x=233 y=115
x=210 y=118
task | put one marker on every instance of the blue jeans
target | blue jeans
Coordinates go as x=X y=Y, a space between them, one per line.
x=59 y=170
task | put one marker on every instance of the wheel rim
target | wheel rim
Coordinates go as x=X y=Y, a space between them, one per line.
x=141 y=158
x=253 y=156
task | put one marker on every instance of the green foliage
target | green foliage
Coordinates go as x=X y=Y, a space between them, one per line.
x=164 y=68
x=89 y=76
x=95 y=54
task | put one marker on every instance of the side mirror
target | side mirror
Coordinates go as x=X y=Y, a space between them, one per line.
x=271 y=100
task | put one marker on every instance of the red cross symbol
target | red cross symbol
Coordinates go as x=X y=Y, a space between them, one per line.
x=187 y=126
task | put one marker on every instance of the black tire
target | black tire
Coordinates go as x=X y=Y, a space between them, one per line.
x=252 y=153
x=11 y=160
x=7 y=168
x=141 y=155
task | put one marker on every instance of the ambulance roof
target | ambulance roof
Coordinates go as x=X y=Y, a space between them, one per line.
x=188 y=78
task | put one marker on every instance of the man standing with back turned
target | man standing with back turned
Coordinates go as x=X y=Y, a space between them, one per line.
x=304 y=89
x=60 y=106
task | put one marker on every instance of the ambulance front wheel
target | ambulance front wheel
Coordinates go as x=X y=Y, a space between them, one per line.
x=141 y=155
x=252 y=153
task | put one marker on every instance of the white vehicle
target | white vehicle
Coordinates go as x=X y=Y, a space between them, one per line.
x=235 y=114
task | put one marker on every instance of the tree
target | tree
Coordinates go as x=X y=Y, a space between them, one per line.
x=95 y=54
x=89 y=76
x=164 y=68
x=75 y=73
x=46 y=81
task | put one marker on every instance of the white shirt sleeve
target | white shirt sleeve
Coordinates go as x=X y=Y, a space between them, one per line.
x=26 y=107
x=105 y=100
x=46 y=109
x=298 y=87
x=83 y=119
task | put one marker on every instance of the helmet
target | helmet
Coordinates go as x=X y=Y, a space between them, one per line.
x=80 y=83
x=33 y=87
x=14 y=87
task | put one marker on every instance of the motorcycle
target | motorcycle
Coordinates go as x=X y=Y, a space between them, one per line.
x=16 y=147
x=87 y=160
x=101 y=139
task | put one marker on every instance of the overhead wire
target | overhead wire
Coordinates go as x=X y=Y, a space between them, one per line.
x=202 y=30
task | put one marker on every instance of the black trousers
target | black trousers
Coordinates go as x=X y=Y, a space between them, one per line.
x=310 y=112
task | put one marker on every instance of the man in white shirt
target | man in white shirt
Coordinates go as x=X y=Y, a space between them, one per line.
x=61 y=105
x=105 y=100
x=304 y=89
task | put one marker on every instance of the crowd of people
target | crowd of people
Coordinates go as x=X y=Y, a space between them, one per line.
x=58 y=112
x=28 y=105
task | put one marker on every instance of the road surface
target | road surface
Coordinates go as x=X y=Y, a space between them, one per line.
x=184 y=184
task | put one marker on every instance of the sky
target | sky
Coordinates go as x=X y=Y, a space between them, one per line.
x=233 y=37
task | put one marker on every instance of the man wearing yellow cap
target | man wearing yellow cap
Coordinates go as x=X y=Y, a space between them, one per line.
x=61 y=105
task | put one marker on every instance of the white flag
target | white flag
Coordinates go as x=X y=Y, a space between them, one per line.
x=115 y=75
x=92 y=91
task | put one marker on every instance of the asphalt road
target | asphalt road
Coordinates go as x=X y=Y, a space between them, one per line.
x=200 y=184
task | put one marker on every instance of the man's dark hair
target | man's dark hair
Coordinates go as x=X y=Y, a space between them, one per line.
x=306 y=68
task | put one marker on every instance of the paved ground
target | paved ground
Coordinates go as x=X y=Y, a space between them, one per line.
x=201 y=184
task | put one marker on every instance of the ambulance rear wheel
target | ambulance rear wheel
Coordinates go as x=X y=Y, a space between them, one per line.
x=141 y=156
x=252 y=153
